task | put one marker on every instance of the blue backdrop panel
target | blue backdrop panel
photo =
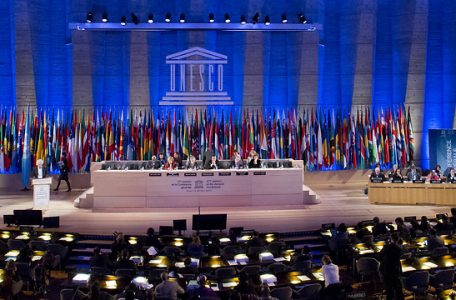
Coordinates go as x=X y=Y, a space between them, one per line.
x=440 y=93
x=442 y=151
x=7 y=61
x=51 y=56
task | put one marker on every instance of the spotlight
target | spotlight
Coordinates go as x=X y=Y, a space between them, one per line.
x=123 y=21
x=284 y=18
x=168 y=18
x=227 y=18
x=211 y=18
x=150 y=19
x=267 y=20
x=104 y=18
x=256 y=18
x=302 y=19
x=182 y=18
x=89 y=17
x=243 y=20
x=134 y=18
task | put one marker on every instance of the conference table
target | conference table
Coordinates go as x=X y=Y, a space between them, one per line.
x=412 y=193
x=198 y=188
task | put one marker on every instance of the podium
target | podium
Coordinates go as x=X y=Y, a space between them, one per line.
x=41 y=192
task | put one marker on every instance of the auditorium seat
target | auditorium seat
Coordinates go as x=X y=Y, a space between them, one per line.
x=171 y=251
x=15 y=244
x=276 y=268
x=228 y=252
x=367 y=267
x=417 y=282
x=442 y=280
x=66 y=294
x=309 y=292
x=276 y=247
x=282 y=293
x=254 y=251
x=38 y=245
x=128 y=273
x=439 y=252
x=251 y=270
x=303 y=266
x=225 y=273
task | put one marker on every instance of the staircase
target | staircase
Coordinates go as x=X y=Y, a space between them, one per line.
x=309 y=196
x=85 y=200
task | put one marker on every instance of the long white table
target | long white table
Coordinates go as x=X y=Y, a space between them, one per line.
x=204 y=188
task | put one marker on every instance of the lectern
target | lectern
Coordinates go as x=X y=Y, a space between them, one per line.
x=41 y=192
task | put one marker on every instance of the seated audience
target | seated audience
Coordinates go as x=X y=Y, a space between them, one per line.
x=99 y=259
x=124 y=262
x=202 y=290
x=377 y=175
x=255 y=163
x=152 y=239
x=443 y=224
x=424 y=225
x=434 y=241
x=265 y=293
x=402 y=230
x=379 y=227
x=195 y=248
x=168 y=289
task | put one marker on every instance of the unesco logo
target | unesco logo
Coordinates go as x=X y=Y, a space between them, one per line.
x=196 y=78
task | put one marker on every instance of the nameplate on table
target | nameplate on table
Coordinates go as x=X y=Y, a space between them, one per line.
x=155 y=174
x=397 y=181
x=419 y=181
x=172 y=174
x=376 y=180
x=436 y=181
x=190 y=174
x=224 y=173
x=259 y=173
x=242 y=173
x=207 y=174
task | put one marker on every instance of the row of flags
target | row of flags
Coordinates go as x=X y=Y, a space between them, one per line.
x=325 y=139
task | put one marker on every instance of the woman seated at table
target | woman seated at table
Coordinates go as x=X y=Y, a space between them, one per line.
x=255 y=163
x=433 y=176
x=171 y=164
x=397 y=176
x=191 y=163
x=393 y=171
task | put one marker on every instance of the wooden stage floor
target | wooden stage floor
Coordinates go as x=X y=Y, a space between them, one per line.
x=339 y=203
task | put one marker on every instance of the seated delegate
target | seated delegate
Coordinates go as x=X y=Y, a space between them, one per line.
x=377 y=175
x=255 y=163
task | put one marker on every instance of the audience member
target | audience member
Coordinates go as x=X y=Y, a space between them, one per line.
x=402 y=229
x=379 y=228
x=99 y=259
x=434 y=241
x=202 y=290
x=331 y=276
x=195 y=248
x=124 y=262
x=168 y=289
x=390 y=268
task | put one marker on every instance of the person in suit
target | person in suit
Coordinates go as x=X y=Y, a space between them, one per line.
x=161 y=159
x=392 y=172
x=40 y=170
x=433 y=176
x=390 y=268
x=64 y=170
x=451 y=175
x=413 y=173
x=377 y=174
x=236 y=161
x=155 y=163
x=213 y=164
x=191 y=163
x=255 y=163
x=207 y=156
x=177 y=160
x=170 y=165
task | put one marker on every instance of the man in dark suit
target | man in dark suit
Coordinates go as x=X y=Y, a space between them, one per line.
x=377 y=175
x=212 y=164
x=413 y=173
x=390 y=268
x=207 y=155
x=64 y=170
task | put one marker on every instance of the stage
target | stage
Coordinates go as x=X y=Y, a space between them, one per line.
x=341 y=196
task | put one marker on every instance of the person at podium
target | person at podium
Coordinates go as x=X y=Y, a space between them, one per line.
x=377 y=175
x=255 y=163
x=64 y=170
x=213 y=164
x=170 y=165
x=39 y=171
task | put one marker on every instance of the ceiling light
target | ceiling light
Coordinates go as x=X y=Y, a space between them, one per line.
x=243 y=20
x=227 y=18
x=123 y=21
x=168 y=18
x=211 y=18
x=150 y=19
x=284 y=18
x=267 y=20
x=182 y=18
x=104 y=18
